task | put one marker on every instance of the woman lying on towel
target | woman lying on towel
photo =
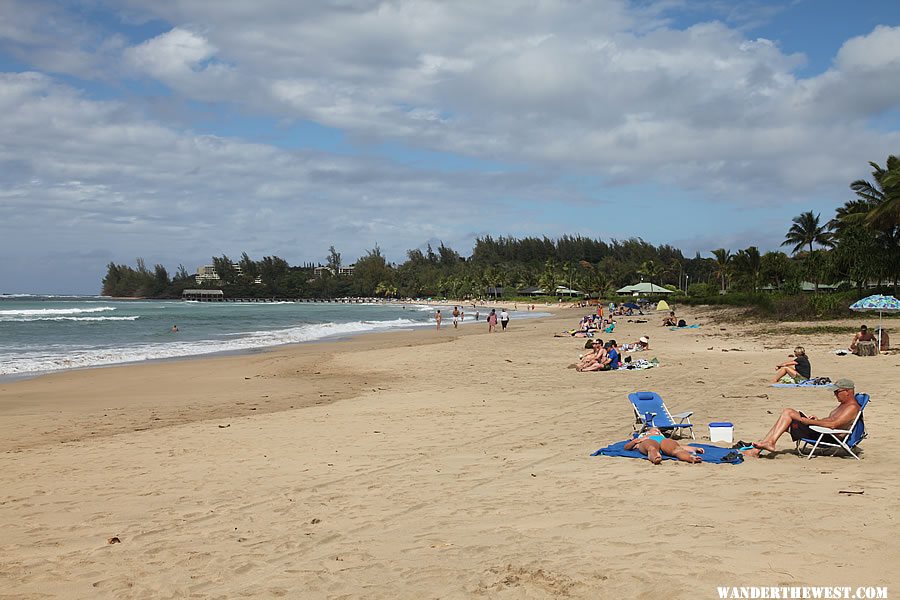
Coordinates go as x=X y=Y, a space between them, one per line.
x=652 y=442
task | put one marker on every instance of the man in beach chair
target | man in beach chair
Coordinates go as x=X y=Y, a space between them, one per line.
x=837 y=439
x=800 y=425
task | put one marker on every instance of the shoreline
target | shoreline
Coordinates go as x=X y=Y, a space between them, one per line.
x=20 y=395
x=24 y=376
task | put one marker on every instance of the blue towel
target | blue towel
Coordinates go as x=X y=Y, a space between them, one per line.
x=695 y=326
x=712 y=454
x=804 y=384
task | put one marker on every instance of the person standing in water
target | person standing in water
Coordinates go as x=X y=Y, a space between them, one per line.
x=174 y=328
x=455 y=315
x=438 y=318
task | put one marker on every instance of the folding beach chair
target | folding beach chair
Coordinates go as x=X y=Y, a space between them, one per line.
x=650 y=411
x=837 y=439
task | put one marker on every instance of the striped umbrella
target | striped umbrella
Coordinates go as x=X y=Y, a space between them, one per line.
x=879 y=303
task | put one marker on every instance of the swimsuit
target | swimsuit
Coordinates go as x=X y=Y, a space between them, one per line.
x=657 y=438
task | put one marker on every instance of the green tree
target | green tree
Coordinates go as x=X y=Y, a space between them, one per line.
x=807 y=231
x=334 y=260
x=748 y=264
x=370 y=271
x=722 y=266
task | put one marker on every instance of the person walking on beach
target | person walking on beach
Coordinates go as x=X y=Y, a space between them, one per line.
x=477 y=315
x=455 y=315
x=492 y=321
x=438 y=318
x=504 y=319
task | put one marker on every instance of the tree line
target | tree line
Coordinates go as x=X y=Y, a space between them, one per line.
x=858 y=245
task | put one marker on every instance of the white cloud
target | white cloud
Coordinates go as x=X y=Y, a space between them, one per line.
x=603 y=88
x=92 y=175
x=600 y=87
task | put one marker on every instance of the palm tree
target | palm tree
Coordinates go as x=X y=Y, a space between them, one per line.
x=883 y=197
x=650 y=270
x=749 y=263
x=723 y=265
x=806 y=231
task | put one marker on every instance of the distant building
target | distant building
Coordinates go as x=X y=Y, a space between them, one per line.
x=207 y=274
x=320 y=270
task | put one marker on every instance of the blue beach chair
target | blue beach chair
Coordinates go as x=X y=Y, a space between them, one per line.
x=837 y=439
x=651 y=411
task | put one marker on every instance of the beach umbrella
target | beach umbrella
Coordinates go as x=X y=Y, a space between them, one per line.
x=880 y=304
x=631 y=305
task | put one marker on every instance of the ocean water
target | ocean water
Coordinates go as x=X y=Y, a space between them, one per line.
x=40 y=334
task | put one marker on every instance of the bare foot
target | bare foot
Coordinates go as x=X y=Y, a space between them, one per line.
x=699 y=450
x=752 y=453
x=764 y=446
x=654 y=455
x=694 y=459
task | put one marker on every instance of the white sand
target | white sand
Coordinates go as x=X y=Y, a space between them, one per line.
x=448 y=470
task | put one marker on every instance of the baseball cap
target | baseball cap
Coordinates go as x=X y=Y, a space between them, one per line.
x=844 y=384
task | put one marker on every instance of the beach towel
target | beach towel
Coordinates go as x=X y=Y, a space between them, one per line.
x=712 y=454
x=695 y=326
x=640 y=364
x=818 y=382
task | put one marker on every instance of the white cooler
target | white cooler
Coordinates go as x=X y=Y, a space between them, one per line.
x=722 y=431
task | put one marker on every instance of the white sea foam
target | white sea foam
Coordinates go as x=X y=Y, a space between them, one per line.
x=33 y=318
x=54 y=311
x=58 y=359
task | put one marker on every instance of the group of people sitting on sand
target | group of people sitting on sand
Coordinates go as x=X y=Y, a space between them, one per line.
x=608 y=356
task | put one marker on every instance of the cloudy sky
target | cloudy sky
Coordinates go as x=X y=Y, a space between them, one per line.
x=175 y=130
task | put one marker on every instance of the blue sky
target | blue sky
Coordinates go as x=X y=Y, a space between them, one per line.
x=176 y=130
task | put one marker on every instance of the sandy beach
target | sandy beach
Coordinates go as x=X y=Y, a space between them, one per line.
x=451 y=464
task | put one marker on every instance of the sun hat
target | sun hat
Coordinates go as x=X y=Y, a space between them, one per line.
x=844 y=384
x=644 y=339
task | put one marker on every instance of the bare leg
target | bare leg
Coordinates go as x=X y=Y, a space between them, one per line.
x=782 y=372
x=781 y=425
x=649 y=448
x=673 y=448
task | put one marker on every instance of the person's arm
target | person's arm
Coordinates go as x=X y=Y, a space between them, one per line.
x=840 y=417
x=790 y=363
x=631 y=444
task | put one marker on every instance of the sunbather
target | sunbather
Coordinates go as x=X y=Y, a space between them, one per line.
x=864 y=338
x=797 y=369
x=671 y=320
x=594 y=360
x=885 y=339
x=798 y=424
x=654 y=444
x=638 y=346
